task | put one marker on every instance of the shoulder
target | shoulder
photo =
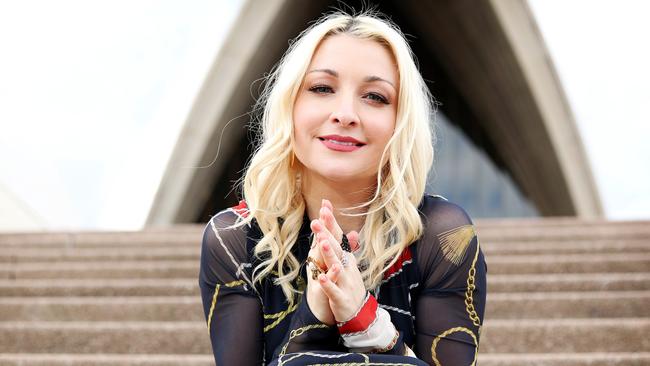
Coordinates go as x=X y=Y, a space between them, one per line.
x=226 y=228
x=448 y=230
x=440 y=214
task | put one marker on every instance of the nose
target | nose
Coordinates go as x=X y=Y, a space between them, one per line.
x=345 y=112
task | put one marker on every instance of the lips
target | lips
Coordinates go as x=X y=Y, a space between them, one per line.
x=341 y=140
x=341 y=143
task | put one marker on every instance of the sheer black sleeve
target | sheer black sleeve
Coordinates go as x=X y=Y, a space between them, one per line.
x=232 y=307
x=307 y=333
x=450 y=308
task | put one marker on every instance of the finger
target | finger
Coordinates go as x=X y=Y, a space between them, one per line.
x=327 y=215
x=329 y=221
x=327 y=251
x=335 y=244
x=333 y=273
x=353 y=240
x=328 y=204
x=330 y=289
x=316 y=226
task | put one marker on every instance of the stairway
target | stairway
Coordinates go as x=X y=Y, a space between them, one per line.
x=560 y=291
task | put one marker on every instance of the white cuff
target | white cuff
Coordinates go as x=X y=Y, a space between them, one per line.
x=379 y=335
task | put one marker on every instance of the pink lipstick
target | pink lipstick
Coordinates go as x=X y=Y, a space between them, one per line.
x=341 y=143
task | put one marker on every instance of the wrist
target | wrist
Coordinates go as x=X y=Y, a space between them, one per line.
x=370 y=329
x=360 y=320
x=320 y=311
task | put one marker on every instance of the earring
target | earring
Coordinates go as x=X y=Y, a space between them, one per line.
x=293 y=157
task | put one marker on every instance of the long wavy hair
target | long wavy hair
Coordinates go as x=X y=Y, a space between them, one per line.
x=271 y=185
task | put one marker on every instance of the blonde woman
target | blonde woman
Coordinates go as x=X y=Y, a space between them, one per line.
x=336 y=255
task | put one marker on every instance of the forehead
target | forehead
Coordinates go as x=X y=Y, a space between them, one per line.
x=349 y=55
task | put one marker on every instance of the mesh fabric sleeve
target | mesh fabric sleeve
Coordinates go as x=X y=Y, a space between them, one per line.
x=307 y=333
x=232 y=307
x=450 y=308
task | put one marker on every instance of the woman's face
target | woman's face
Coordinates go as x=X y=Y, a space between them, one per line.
x=345 y=111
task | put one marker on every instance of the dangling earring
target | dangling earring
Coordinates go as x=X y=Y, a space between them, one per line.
x=293 y=157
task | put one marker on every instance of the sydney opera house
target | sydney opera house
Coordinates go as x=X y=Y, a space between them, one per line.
x=507 y=143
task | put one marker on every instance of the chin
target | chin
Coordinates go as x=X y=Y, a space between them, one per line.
x=336 y=174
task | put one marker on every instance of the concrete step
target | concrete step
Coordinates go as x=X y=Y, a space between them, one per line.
x=93 y=239
x=565 y=359
x=71 y=359
x=556 y=221
x=569 y=263
x=498 y=264
x=564 y=282
x=624 y=304
x=188 y=251
x=566 y=335
x=508 y=230
x=549 y=305
x=498 y=336
x=132 y=308
x=100 y=269
x=484 y=359
x=109 y=253
x=107 y=287
x=565 y=247
x=539 y=235
x=105 y=337
x=189 y=286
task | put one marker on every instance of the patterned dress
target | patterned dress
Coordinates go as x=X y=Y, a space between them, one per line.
x=435 y=295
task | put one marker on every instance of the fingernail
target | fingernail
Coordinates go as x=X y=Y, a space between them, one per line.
x=322 y=278
x=326 y=247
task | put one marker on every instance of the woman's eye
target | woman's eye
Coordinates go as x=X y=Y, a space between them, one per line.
x=377 y=98
x=321 y=89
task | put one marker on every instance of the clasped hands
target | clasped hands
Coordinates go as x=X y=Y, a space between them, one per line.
x=335 y=295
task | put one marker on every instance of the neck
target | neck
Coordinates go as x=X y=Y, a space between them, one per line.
x=342 y=195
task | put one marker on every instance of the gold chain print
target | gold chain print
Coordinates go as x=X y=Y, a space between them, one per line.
x=214 y=298
x=366 y=361
x=280 y=316
x=464 y=232
x=469 y=292
x=448 y=332
x=298 y=332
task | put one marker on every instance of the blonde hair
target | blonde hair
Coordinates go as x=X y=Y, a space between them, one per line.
x=271 y=184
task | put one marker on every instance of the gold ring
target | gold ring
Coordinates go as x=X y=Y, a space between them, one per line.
x=315 y=267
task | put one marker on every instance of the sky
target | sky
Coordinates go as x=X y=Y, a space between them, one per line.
x=94 y=94
x=92 y=98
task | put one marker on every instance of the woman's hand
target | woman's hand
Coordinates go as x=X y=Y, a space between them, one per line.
x=325 y=226
x=316 y=298
x=343 y=286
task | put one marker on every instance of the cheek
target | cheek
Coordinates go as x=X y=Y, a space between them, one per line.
x=382 y=130
x=305 y=118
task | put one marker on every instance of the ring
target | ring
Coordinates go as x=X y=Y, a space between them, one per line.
x=344 y=259
x=315 y=267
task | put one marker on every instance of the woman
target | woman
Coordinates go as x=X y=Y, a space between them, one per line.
x=345 y=149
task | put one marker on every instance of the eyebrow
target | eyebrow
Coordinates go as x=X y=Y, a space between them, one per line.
x=367 y=79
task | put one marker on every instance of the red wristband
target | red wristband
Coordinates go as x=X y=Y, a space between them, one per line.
x=363 y=319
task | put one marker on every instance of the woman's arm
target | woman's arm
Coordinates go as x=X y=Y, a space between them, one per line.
x=450 y=308
x=232 y=308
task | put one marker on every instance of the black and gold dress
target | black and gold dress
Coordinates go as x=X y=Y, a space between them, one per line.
x=435 y=295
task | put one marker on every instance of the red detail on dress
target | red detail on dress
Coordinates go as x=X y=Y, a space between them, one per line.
x=241 y=209
x=363 y=319
x=397 y=266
